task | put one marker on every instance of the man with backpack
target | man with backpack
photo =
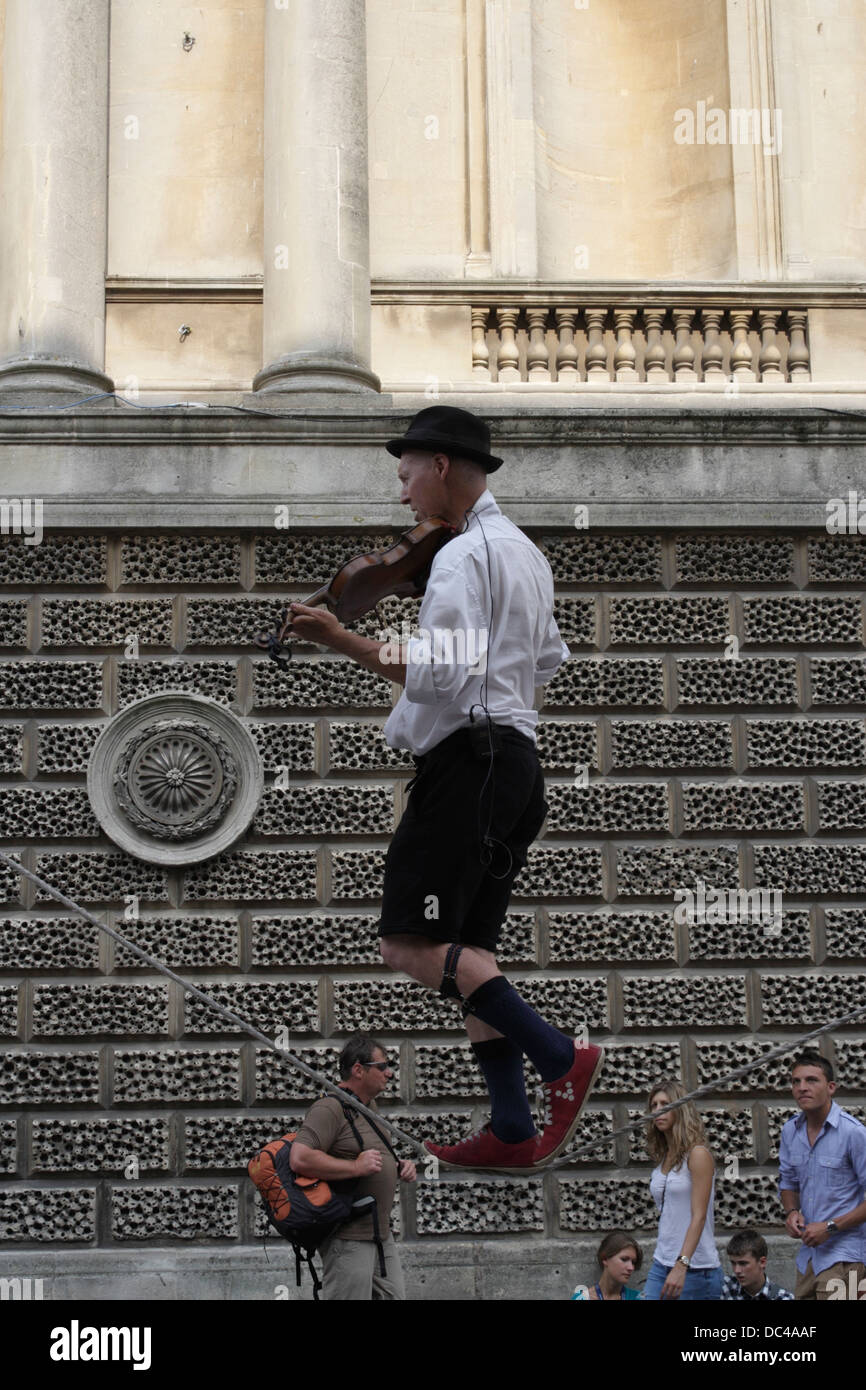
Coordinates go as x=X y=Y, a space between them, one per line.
x=336 y=1142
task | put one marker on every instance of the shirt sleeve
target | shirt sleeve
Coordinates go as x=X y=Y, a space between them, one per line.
x=552 y=654
x=789 y=1178
x=857 y=1154
x=453 y=643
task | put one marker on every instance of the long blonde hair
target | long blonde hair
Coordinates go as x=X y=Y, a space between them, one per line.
x=687 y=1129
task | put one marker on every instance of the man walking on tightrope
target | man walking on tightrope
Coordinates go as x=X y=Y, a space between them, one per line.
x=477 y=803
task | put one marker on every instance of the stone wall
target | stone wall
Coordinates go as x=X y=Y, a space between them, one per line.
x=709 y=725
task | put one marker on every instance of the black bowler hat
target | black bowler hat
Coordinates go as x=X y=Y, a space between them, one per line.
x=447 y=430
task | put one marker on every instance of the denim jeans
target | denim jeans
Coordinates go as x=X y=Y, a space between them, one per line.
x=701 y=1284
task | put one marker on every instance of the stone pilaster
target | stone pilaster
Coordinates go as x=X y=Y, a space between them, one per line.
x=54 y=178
x=316 y=334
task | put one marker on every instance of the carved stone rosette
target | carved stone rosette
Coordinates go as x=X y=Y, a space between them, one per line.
x=174 y=779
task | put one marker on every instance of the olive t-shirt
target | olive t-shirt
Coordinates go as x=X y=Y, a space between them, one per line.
x=325 y=1127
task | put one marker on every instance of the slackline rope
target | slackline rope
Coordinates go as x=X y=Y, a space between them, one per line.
x=377 y=1117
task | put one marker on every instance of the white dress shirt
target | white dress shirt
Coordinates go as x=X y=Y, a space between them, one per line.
x=475 y=647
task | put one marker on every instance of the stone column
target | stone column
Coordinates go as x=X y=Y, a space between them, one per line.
x=53 y=224
x=316 y=333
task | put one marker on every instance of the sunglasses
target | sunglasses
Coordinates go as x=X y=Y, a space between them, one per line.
x=380 y=1066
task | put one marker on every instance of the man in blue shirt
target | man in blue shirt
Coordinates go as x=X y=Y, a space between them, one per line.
x=822 y=1178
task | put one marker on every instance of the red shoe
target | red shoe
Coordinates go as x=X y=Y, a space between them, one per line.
x=564 y=1101
x=484 y=1150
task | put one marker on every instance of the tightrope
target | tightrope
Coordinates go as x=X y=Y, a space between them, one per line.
x=430 y=1163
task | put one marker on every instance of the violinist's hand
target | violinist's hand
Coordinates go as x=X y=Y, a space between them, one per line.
x=315 y=625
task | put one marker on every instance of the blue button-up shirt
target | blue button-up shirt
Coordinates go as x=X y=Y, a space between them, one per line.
x=830 y=1176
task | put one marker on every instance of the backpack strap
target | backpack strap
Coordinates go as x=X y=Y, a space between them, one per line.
x=347 y=1111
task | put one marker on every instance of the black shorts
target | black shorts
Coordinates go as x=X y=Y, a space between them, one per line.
x=437 y=883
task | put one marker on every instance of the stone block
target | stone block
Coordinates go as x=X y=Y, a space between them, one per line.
x=845 y=929
x=8 y=1146
x=673 y=743
x=278 y=1080
x=851 y=1063
x=658 y=870
x=270 y=1007
x=730 y=1135
x=360 y=747
x=606 y=1204
x=802 y=619
x=567 y=743
x=808 y=1000
x=604 y=559
x=357 y=873
x=837 y=560
x=377 y=1006
x=715 y=1060
x=94 y=622
x=229 y=622
x=709 y=558
x=765 y=680
x=90 y=1009
x=480 y=1207
x=182 y=943
x=48 y=943
x=752 y=806
x=838 y=680
x=291 y=560
x=289 y=746
x=568 y=1003
x=177 y=1077
x=13 y=623
x=30 y=1214
x=228 y=1142
x=806 y=743
x=656 y=621
x=842 y=805
x=137 y=679
x=100 y=878
x=319 y=683
x=693 y=1001
x=818 y=868
x=607 y=682
x=66 y=747
x=750 y=1200
x=71 y=561
x=99 y=1146
x=50 y=1078
x=174 y=1213
x=751 y=938
x=608 y=808
x=254 y=876
x=360 y=808
x=576 y=937
x=51 y=685
x=37 y=813
x=576 y=620
x=574 y=871
x=175 y=561
x=8 y=1011
x=11 y=748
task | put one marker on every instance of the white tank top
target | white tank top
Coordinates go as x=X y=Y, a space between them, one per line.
x=672 y=1194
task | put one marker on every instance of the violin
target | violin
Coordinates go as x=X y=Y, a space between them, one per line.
x=402 y=569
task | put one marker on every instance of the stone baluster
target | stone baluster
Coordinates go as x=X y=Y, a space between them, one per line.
x=741 y=352
x=625 y=355
x=596 y=352
x=566 y=353
x=508 y=358
x=712 y=360
x=798 y=351
x=538 y=358
x=684 y=353
x=655 y=362
x=480 y=350
x=770 y=361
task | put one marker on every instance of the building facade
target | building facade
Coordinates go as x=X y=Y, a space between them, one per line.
x=242 y=245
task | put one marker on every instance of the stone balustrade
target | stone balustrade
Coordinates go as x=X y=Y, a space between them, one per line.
x=629 y=343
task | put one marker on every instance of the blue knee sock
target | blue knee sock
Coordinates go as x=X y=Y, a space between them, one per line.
x=498 y=1004
x=501 y=1064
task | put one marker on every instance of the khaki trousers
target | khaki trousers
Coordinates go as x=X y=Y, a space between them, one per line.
x=352 y=1271
x=847 y=1276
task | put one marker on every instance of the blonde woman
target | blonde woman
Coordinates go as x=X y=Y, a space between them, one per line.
x=686 y=1263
